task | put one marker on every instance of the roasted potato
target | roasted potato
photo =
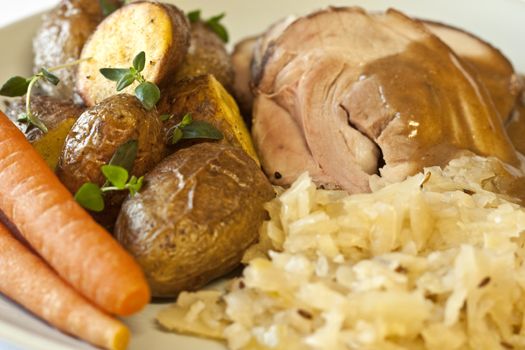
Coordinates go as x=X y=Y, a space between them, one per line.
x=196 y=214
x=206 y=100
x=98 y=133
x=242 y=57
x=50 y=110
x=50 y=145
x=60 y=39
x=57 y=115
x=207 y=55
x=160 y=30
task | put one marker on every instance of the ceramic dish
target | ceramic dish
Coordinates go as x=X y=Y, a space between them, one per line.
x=500 y=22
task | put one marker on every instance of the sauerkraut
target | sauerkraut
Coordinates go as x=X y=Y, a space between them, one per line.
x=434 y=262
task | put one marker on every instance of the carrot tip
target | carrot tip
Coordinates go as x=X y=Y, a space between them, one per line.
x=134 y=301
x=121 y=339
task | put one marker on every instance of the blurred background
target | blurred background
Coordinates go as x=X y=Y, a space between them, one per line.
x=21 y=8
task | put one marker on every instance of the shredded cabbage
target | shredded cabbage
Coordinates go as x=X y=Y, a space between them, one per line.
x=434 y=262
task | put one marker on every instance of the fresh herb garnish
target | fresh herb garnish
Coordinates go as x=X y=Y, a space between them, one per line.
x=201 y=130
x=116 y=172
x=125 y=155
x=214 y=23
x=147 y=92
x=90 y=196
x=165 y=117
x=194 y=16
x=189 y=129
x=20 y=86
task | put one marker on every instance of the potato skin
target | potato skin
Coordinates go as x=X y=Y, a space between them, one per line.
x=206 y=100
x=100 y=130
x=207 y=55
x=97 y=134
x=197 y=213
x=60 y=39
x=50 y=110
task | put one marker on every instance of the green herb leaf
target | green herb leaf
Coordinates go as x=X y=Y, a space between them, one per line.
x=22 y=118
x=194 y=16
x=165 y=117
x=134 y=185
x=125 y=81
x=219 y=29
x=114 y=74
x=116 y=175
x=49 y=77
x=139 y=62
x=107 y=7
x=148 y=93
x=16 y=86
x=36 y=122
x=186 y=120
x=177 y=135
x=201 y=130
x=125 y=155
x=89 y=196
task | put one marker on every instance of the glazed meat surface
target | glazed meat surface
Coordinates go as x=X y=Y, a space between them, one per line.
x=345 y=94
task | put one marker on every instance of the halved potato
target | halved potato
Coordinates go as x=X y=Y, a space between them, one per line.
x=49 y=110
x=162 y=31
x=57 y=115
x=50 y=145
x=60 y=39
x=207 y=100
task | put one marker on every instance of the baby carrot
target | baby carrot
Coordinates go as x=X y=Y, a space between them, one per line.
x=61 y=232
x=26 y=279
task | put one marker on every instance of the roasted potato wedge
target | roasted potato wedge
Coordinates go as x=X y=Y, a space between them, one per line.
x=206 y=100
x=207 y=55
x=95 y=137
x=50 y=145
x=160 y=30
x=197 y=213
x=60 y=40
x=50 y=110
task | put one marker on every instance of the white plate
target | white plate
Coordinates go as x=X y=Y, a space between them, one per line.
x=501 y=22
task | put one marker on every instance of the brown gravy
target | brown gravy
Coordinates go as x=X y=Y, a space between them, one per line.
x=516 y=124
x=439 y=106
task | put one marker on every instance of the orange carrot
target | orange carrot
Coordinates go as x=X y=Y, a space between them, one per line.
x=26 y=279
x=62 y=233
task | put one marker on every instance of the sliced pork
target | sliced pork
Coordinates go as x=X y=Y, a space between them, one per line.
x=516 y=124
x=495 y=70
x=265 y=41
x=345 y=95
